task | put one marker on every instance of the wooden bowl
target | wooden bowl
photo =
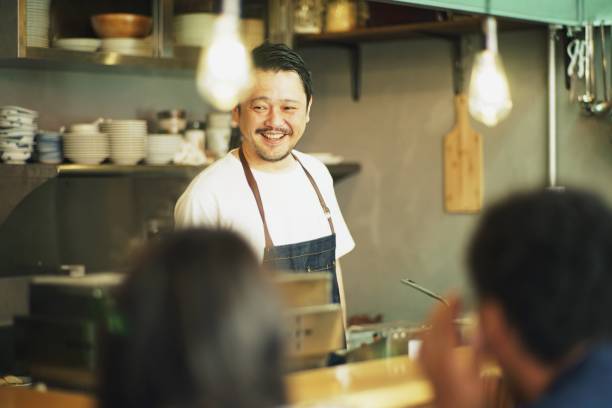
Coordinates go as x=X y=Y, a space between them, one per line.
x=123 y=25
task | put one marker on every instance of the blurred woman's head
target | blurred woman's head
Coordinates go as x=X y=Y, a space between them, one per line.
x=198 y=325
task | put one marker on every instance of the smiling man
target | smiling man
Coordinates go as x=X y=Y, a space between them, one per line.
x=281 y=200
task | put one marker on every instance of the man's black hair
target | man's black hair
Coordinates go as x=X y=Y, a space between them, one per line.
x=279 y=57
x=546 y=257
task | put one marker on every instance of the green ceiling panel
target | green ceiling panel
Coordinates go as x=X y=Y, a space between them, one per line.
x=597 y=10
x=566 y=12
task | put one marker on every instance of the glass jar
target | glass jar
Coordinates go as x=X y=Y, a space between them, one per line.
x=196 y=135
x=171 y=121
x=341 y=16
x=307 y=16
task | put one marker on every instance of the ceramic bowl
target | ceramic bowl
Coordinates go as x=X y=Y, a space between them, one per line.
x=121 y=25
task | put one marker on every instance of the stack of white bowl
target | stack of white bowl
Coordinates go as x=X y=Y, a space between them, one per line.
x=218 y=133
x=161 y=148
x=78 y=44
x=17 y=129
x=37 y=23
x=142 y=47
x=253 y=32
x=193 y=29
x=128 y=139
x=84 y=144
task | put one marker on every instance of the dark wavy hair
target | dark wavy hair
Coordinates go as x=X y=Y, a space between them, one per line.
x=547 y=258
x=198 y=327
x=279 y=57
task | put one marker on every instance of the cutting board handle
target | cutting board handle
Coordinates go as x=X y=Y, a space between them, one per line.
x=461 y=110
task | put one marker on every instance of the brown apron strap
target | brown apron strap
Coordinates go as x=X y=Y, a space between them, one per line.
x=255 y=191
x=319 y=195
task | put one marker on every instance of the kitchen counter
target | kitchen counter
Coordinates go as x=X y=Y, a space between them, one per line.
x=396 y=382
x=387 y=383
x=391 y=382
x=21 y=397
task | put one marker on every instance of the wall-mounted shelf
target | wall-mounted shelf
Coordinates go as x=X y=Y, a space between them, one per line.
x=352 y=40
x=338 y=171
x=451 y=28
x=184 y=61
x=69 y=19
x=18 y=181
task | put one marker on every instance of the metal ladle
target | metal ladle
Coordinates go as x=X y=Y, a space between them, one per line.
x=588 y=99
x=602 y=107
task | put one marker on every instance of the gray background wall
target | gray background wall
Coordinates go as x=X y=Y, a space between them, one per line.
x=394 y=206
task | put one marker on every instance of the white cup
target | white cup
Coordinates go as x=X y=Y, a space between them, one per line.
x=218 y=141
x=196 y=137
x=218 y=120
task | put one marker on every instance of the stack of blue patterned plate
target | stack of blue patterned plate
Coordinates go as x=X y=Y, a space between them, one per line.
x=49 y=147
x=17 y=129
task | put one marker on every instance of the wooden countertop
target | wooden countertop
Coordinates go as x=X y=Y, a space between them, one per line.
x=387 y=383
x=21 y=397
x=391 y=382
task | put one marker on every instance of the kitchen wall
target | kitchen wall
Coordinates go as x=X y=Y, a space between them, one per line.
x=394 y=205
x=95 y=221
x=66 y=97
x=106 y=214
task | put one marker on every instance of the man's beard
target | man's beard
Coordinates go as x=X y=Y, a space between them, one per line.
x=261 y=151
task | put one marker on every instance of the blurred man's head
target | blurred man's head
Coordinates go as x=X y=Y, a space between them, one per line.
x=200 y=326
x=541 y=264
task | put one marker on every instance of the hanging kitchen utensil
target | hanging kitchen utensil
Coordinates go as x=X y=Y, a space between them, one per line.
x=575 y=58
x=589 y=73
x=463 y=169
x=603 y=106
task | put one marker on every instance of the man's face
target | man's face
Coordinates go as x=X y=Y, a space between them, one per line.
x=274 y=116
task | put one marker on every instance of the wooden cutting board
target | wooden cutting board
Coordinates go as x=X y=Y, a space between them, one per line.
x=462 y=163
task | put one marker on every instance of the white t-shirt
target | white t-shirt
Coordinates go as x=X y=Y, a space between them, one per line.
x=220 y=197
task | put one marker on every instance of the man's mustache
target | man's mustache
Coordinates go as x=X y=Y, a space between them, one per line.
x=283 y=130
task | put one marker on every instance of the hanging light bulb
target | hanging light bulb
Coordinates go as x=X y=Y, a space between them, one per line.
x=489 y=95
x=224 y=73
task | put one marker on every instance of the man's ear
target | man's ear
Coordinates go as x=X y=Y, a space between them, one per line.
x=308 y=110
x=236 y=116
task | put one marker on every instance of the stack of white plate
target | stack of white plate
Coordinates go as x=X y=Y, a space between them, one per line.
x=129 y=46
x=17 y=129
x=78 y=44
x=86 y=147
x=194 y=29
x=253 y=32
x=127 y=140
x=328 y=158
x=162 y=148
x=37 y=23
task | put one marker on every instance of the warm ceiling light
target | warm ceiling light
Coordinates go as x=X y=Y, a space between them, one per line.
x=224 y=73
x=489 y=95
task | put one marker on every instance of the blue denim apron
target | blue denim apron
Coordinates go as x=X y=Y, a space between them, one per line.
x=317 y=255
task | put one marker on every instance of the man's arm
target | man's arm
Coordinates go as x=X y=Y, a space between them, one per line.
x=456 y=381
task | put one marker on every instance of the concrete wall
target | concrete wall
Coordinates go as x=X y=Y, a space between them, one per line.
x=394 y=206
x=64 y=97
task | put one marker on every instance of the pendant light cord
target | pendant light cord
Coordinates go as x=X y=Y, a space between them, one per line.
x=231 y=7
x=490 y=28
